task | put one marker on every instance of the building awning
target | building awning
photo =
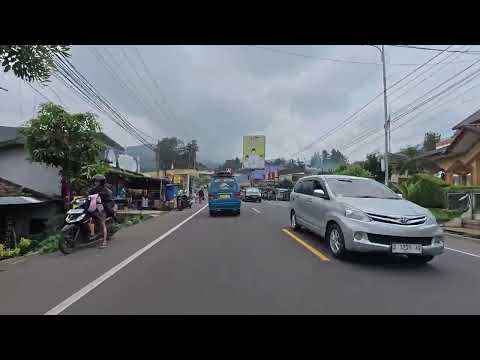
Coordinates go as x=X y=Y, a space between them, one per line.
x=19 y=200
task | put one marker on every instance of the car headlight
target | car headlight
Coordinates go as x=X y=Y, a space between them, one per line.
x=356 y=215
x=431 y=220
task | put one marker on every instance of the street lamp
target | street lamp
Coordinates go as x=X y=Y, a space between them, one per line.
x=387 y=121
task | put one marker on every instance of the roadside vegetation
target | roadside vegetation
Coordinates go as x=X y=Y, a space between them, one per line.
x=47 y=241
x=444 y=215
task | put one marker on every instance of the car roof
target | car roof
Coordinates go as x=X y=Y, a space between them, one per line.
x=334 y=177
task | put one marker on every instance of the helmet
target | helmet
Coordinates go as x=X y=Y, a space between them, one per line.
x=100 y=178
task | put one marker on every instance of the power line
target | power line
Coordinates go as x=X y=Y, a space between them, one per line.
x=461 y=82
x=350 y=118
x=172 y=113
x=125 y=86
x=431 y=70
x=132 y=65
x=452 y=88
x=434 y=49
x=434 y=88
x=71 y=75
x=286 y=52
x=39 y=93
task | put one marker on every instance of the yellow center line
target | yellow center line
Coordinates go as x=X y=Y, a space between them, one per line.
x=311 y=248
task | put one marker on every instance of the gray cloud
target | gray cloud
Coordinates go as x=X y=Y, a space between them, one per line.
x=216 y=94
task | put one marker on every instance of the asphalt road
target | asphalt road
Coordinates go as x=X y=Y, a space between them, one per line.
x=241 y=264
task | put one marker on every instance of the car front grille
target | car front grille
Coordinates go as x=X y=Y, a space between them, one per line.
x=399 y=220
x=388 y=240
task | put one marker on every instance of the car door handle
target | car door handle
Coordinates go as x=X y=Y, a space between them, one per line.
x=309 y=201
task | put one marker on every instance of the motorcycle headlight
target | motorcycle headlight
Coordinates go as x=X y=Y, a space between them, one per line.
x=356 y=215
x=75 y=218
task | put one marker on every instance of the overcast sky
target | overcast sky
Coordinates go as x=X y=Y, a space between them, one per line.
x=217 y=94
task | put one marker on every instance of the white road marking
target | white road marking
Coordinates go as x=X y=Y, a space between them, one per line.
x=89 y=287
x=258 y=212
x=463 y=252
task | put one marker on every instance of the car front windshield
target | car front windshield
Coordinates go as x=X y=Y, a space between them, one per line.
x=360 y=188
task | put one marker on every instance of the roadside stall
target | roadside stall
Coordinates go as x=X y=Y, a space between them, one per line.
x=136 y=191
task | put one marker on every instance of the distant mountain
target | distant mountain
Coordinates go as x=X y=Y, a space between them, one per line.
x=210 y=164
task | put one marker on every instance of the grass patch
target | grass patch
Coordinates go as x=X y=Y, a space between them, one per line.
x=444 y=215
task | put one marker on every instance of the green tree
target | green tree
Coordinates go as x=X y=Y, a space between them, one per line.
x=325 y=155
x=409 y=164
x=168 y=151
x=191 y=150
x=431 y=140
x=374 y=166
x=352 y=170
x=63 y=140
x=31 y=62
x=337 y=157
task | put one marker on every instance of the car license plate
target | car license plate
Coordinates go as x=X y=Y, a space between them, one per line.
x=224 y=196
x=406 y=248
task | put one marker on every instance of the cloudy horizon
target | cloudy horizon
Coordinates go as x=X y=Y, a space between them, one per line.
x=217 y=94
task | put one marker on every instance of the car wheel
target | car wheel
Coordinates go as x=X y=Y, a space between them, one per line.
x=259 y=200
x=336 y=241
x=418 y=259
x=212 y=213
x=293 y=221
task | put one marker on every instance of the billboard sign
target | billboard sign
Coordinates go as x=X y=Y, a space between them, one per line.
x=254 y=152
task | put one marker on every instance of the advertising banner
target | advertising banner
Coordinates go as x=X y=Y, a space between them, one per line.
x=254 y=152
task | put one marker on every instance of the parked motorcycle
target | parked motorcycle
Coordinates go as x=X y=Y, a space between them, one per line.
x=77 y=230
x=183 y=201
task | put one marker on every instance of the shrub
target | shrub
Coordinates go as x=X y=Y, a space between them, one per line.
x=425 y=190
x=8 y=253
x=24 y=245
x=50 y=244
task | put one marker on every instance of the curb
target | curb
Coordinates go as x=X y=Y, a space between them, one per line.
x=461 y=236
x=18 y=258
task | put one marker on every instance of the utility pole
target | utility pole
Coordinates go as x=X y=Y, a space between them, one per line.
x=157 y=156
x=387 y=120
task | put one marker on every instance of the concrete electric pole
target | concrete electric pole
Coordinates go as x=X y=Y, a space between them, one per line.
x=387 y=120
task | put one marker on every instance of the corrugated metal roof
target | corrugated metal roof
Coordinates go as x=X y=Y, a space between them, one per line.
x=19 y=200
x=475 y=117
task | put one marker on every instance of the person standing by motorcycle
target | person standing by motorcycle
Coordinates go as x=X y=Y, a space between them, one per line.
x=99 y=216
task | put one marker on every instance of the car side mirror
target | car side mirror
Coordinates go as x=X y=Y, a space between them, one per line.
x=400 y=196
x=319 y=193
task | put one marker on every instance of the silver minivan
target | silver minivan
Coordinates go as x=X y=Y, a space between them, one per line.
x=361 y=214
